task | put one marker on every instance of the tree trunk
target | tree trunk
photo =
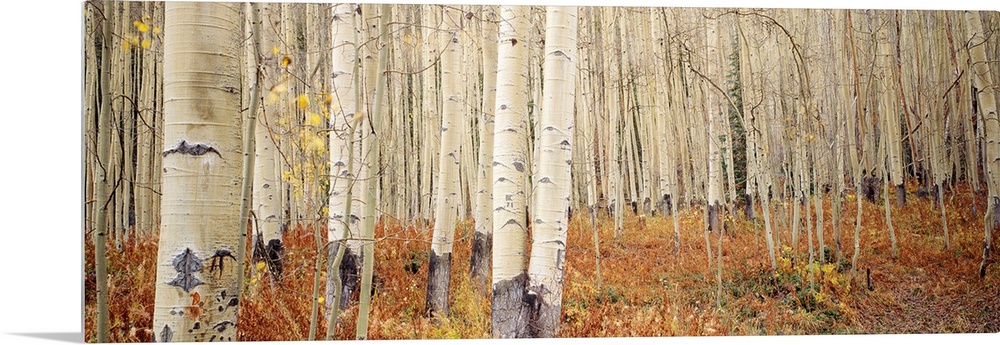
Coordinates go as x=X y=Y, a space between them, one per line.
x=510 y=228
x=448 y=199
x=983 y=81
x=196 y=294
x=553 y=179
x=343 y=231
x=268 y=246
x=482 y=245
x=374 y=171
x=101 y=178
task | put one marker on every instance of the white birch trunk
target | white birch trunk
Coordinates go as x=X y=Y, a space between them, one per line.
x=482 y=245
x=510 y=228
x=983 y=81
x=266 y=195
x=343 y=228
x=448 y=198
x=196 y=294
x=553 y=179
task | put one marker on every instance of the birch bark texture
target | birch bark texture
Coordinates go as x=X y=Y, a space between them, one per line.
x=510 y=228
x=266 y=193
x=196 y=294
x=482 y=242
x=553 y=180
x=343 y=229
x=448 y=199
x=983 y=81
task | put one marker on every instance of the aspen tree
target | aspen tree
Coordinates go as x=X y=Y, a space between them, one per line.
x=252 y=27
x=986 y=95
x=937 y=114
x=756 y=144
x=430 y=109
x=510 y=229
x=858 y=172
x=266 y=195
x=200 y=230
x=482 y=245
x=101 y=179
x=448 y=199
x=553 y=179
x=714 y=155
x=372 y=162
x=343 y=230
x=614 y=108
x=890 y=110
x=591 y=116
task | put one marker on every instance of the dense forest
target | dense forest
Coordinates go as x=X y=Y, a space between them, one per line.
x=294 y=171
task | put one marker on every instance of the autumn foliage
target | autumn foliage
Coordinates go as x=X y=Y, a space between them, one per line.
x=645 y=291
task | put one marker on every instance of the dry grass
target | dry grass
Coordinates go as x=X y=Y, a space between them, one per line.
x=645 y=291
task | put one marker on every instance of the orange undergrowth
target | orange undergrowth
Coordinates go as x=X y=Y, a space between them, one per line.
x=645 y=290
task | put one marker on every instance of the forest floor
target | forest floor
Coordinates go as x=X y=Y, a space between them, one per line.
x=644 y=290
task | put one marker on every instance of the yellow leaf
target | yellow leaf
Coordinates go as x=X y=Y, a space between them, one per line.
x=275 y=50
x=141 y=26
x=303 y=101
x=408 y=39
x=316 y=143
x=134 y=40
x=327 y=98
x=314 y=119
x=357 y=116
x=146 y=44
x=321 y=299
x=156 y=30
x=260 y=265
x=286 y=60
x=126 y=45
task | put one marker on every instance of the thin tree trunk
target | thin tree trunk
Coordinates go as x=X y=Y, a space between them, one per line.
x=482 y=245
x=983 y=81
x=101 y=192
x=374 y=171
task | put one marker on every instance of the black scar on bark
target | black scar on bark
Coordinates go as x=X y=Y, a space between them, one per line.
x=350 y=277
x=541 y=314
x=510 y=307
x=275 y=251
x=479 y=265
x=713 y=217
x=900 y=195
x=186 y=263
x=165 y=335
x=194 y=150
x=439 y=272
x=748 y=206
x=870 y=186
x=218 y=259
x=222 y=326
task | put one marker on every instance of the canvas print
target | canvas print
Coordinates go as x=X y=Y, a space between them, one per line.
x=313 y=171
